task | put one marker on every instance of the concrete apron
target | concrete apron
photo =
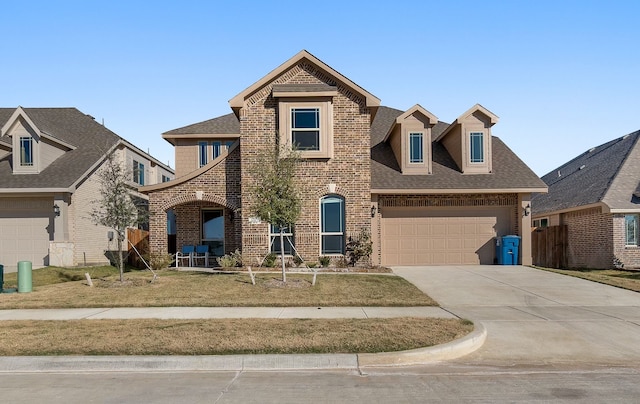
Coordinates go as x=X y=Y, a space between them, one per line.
x=536 y=317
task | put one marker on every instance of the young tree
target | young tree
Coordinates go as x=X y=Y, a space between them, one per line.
x=277 y=200
x=116 y=208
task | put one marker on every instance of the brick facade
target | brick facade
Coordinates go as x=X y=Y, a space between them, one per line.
x=629 y=255
x=349 y=169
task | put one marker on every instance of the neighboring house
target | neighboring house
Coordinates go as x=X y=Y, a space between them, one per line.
x=49 y=162
x=597 y=196
x=429 y=192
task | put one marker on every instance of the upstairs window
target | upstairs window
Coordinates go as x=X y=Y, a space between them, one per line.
x=26 y=151
x=165 y=178
x=305 y=128
x=476 y=147
x=416 y=147
x=332 y=223
x=138 y=172
x=203 y=157
x=631 y=230
x=216 y=148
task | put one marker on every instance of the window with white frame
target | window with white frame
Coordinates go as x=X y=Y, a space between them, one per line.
x=216 y=148
x=332 y=224
x=544 y=222
x=476 y=147
x=305 y=128
x=416 y=147
x=288 y=236
x=631 y=229
x=26 y=151
x=138 y=172
x=203 y=156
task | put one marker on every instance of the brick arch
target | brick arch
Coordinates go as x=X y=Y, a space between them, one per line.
x=324 y=191
x=191 y=197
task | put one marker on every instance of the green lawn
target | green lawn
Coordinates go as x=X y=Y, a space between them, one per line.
x=625 y=279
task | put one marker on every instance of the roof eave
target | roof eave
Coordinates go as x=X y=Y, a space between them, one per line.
x=439 y=191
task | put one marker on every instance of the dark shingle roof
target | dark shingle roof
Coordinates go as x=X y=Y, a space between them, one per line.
x=222 y=125
x=587 y=179
x=509 y=172
x=90 y=139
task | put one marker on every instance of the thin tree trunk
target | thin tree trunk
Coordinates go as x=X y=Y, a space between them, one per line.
x=120 y=259
x=284 y=274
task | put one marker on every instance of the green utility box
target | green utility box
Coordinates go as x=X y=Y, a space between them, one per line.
x=25 y=283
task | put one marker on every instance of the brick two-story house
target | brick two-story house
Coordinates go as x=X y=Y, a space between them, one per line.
x=429 y=192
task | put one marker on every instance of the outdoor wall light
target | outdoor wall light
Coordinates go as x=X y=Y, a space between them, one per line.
x=373 y=211
x=527 y=210
x=56 y=210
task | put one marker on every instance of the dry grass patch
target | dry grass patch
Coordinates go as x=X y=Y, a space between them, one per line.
x=221 y=337
x=173 y=288
x=620 y=278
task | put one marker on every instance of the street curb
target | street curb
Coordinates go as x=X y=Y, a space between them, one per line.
x=238 y=363
x=451 y=350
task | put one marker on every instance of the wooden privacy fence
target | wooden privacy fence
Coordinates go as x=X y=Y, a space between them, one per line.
x=549 y=246
x=140 y=239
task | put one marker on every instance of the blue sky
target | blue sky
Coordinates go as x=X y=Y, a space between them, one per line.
x=563 y=76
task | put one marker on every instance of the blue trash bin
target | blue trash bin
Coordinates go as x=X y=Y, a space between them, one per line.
x=508 y=249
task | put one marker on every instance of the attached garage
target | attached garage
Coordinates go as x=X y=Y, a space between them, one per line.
x=24 y=234
x=442 y=235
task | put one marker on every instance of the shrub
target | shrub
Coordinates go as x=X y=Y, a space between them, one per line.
x=227 y=261
x=359 y=247
x=297 y=260
x=158 y=262
x=269 y=260
x=324 y=261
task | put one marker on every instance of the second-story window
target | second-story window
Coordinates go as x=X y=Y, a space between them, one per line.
x=138 y=172
x=165 y=178
x=203 y=157
x=416 y=147
x=216 y=148
x=476 y=147
x=26 y=151
x=305 y=128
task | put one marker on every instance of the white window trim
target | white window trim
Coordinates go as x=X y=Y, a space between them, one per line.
x=422 y=142
x=637 y=235
x=344 y=225
x=286 y=234
x=484 y=147
x=325 y=107
x=203 y=146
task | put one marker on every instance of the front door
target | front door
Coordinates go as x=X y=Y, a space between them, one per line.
x=213 y=231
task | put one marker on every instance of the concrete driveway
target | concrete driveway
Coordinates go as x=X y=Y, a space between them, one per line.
x=537 y=317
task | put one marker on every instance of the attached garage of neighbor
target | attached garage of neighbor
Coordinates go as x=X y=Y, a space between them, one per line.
x=24 y=234
x=442 y=235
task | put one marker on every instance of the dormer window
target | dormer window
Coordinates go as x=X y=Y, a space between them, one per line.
x=476 y=147
x=26 y=151
x=416 y=147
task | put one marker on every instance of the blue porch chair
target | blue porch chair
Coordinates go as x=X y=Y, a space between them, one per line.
x=202 y=252
x=187 y=252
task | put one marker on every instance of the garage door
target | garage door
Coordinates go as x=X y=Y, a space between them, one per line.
x=441 y=236
x=24 y=232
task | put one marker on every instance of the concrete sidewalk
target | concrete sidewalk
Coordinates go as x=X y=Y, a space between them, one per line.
x=223 y=312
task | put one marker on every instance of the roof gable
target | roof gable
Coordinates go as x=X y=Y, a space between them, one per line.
x=415 y=110
x=237 y=102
